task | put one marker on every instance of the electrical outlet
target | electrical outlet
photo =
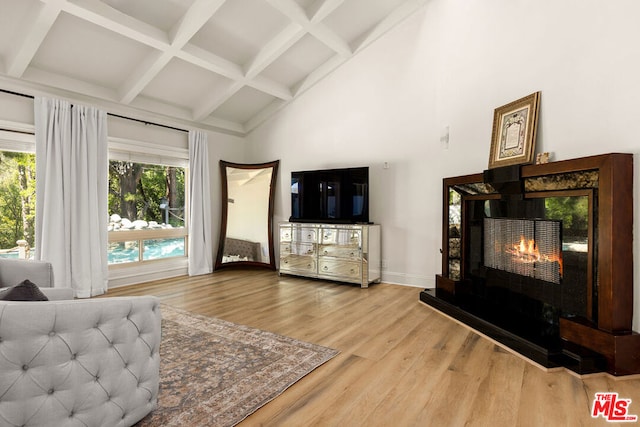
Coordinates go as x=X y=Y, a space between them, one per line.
x=384 y=263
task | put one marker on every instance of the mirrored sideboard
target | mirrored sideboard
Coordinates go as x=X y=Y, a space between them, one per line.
x=341 y=252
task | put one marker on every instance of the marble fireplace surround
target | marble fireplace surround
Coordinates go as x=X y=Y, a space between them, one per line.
x=599 y=340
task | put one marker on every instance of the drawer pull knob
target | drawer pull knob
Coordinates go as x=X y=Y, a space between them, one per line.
x=325 y=268
x=325 y=252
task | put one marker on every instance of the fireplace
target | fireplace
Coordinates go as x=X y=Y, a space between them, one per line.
x=526 y=247
x=539 y=258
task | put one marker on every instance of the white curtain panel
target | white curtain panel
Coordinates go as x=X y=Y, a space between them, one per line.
x=71 y=193
x=200 y=245
x=52 y=239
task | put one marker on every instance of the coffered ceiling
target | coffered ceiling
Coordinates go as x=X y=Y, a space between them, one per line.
x=220 y=64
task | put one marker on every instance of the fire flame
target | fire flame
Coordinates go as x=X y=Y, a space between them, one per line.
x=527 y=251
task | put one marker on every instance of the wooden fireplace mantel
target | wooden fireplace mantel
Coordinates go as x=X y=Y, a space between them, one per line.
x=615 y=225
x=608 y=333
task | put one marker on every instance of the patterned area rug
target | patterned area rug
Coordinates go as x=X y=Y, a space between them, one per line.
x=216 y=373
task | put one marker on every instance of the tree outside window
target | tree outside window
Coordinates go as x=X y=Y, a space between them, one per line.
x=17 y=200
x=149 y=200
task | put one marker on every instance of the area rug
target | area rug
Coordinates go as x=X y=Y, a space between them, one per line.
x=216 y=373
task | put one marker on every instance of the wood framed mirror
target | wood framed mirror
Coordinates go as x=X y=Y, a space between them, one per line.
x=246 y=229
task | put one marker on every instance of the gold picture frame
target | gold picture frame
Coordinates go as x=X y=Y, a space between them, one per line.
x=514 y=132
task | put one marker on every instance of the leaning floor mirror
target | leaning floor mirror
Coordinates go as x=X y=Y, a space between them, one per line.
x=246 y=231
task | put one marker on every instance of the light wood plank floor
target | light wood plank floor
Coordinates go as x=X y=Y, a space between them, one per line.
x=401 y=363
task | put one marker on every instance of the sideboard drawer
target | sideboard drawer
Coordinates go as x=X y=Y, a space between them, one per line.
x=285 y=248
x=341 y=236
x=296 y=248
x=346 y=252
x=298 y=263
x=305 y=234
x=285 y=234
x=344 y=269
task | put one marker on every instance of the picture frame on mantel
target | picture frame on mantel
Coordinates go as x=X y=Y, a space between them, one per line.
x=514 y=132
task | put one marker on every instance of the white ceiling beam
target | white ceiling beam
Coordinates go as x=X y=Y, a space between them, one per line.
x=211 y=103
x=298 y=15
x=320 y=9
x=105 y=16
x=196 y=16
x=274 y=48
x=175 y=43
x=394 y=18
x=142 y=75
x=264 y=114
x=32 y=37
x=191 y=22
x=270 y=87
x=204 y=59
x=30 y=87
x=209 y=61
x=318 y=74
x=330 y=39
x=233 y=128
x=67 y=83
x=403 y=11
x=291 y=10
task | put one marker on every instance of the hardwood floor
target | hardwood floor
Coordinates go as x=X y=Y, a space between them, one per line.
x=401 y=363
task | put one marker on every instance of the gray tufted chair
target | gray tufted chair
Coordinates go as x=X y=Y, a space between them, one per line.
x=91 y=362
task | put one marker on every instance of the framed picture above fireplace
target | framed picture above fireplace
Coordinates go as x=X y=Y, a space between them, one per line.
x=514 y=132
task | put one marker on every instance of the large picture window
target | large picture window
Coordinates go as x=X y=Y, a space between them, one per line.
x=147 y=199
x=146 y=212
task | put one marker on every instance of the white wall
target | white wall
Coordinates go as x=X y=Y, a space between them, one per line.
x=451 y=64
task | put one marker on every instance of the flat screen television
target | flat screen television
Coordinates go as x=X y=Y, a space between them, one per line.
x=330 y=195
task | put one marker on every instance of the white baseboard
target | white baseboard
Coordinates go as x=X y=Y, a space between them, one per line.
x=415 y=280
x=146 y=272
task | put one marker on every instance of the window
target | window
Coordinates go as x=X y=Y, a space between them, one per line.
x=154 y=201
x=17 y=203
x=146 y=212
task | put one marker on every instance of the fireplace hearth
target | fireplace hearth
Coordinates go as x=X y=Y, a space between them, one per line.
x=539 y=258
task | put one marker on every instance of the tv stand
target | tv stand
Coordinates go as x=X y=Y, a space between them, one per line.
x=341 y=252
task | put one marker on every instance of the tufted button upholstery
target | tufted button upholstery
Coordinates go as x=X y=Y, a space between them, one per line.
x=242 y=248
x=57 y=368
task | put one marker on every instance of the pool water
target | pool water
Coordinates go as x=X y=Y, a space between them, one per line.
x=12 y=255
x=122 y=252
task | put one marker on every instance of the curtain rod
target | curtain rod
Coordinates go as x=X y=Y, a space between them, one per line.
x=109 y=114
x=146 y=122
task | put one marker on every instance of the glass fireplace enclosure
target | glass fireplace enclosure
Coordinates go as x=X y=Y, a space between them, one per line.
x=542 y=261
x=522 y=261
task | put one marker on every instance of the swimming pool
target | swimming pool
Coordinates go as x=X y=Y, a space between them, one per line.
x=123 y=252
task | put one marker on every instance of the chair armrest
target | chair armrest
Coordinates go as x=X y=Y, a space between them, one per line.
x=15 y=271
x=57 y=294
